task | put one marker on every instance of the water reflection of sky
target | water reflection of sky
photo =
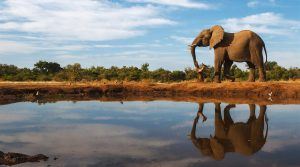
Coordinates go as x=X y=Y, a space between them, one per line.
x=136 y=133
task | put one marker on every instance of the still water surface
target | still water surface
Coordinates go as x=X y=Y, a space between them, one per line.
x=158 y=133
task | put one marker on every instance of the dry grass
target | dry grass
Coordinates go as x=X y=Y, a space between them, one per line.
x=254 y=92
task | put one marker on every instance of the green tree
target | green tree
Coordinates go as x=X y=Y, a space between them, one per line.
x=74 y=72
x=46 y=71
x=177 y=76
x=190 y=73
x=47 y=67
x=161 y=75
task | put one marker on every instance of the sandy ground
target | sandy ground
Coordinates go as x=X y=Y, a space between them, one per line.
x=233 y=92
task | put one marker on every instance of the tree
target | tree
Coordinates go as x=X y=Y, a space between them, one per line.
x=46 y=71
x=145 y=67
x=74 y=72
x=270 y=65
x=161 y=75
x=47 y=67
x=190 y=73
x=177 y=76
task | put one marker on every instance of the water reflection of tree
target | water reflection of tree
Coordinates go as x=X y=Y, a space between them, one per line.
x=11 y=158
x=245 y=138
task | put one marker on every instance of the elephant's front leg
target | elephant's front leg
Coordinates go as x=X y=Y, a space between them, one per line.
x=220 y=129
x=219 y=59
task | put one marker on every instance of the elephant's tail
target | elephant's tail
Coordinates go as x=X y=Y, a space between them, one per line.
x=264 y=46
x=267 y=123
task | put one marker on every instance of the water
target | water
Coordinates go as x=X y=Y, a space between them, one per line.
x=157 y=133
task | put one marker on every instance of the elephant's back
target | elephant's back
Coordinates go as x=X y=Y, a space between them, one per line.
x=239 y=130
x=239 y=134
x=249 y=34
x=244 y=38
x=246 y=33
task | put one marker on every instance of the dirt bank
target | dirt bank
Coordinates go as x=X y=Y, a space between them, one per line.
x=268 y=93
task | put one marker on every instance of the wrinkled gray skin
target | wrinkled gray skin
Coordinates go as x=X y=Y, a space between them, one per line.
x=244 y=46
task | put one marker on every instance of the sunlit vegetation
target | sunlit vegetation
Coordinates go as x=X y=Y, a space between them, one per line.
x=52 y=71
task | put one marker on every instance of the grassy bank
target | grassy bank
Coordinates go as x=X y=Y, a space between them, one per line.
x=268 y=92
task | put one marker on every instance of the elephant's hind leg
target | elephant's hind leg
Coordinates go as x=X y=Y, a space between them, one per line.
x=261 y=68
x=262 y=74
x=257 y=59
x=252 y=116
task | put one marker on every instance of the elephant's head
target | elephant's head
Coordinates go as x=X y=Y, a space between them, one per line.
x=208 y=37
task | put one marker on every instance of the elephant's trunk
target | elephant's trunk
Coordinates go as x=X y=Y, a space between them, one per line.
x=198 y=69
x=193 y=131
x=200 y=112
x=193 y=52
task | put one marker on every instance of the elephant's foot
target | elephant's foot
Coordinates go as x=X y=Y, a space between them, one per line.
x=200 y=80
x=251 y=77
x=251 y=80
x=217 y=80
x=229 y=106
x=261 y=80
x=232 y=79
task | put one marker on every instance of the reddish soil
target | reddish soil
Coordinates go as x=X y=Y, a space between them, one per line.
x=235 y=92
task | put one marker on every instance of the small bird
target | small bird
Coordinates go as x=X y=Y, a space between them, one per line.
x=270 y=99
x=270 y=94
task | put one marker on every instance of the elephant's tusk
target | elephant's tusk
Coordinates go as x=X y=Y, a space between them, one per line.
x=200 y=70
x=191 y=45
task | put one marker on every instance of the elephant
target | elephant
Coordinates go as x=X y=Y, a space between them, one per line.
x=243 y=138
x=244 y=46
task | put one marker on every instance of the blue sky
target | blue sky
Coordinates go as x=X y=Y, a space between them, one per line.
x=132 y=32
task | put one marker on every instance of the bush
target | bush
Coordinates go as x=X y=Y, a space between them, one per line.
x=46 y=71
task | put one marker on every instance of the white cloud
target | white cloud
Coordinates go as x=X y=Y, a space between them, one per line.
x=69 y=56
x=102 y=140
x=136 y=57
x=138 y=45
x=266 y=23
x=8 y=47
x=285 y=58
x=256 y=3
x=178 y=3
x=252 y=4
x=79 y=20
x=184 y=40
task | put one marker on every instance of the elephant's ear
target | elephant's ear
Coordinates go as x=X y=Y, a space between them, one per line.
x=216 y=36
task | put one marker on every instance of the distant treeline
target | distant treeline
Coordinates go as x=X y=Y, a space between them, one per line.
x=51 y=71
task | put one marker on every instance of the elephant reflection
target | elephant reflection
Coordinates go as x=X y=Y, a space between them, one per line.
x=244 y=138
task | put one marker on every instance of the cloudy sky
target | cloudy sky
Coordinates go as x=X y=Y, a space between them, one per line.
x=132 y=32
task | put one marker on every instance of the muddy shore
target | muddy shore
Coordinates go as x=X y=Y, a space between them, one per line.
x=231 y=92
